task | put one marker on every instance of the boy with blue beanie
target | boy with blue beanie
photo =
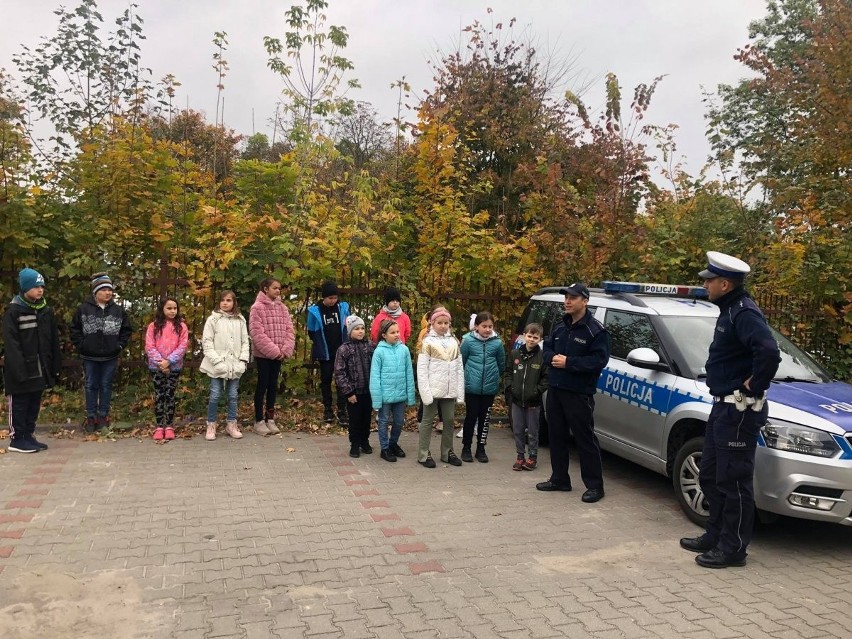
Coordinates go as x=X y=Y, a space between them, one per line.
x=32 y=359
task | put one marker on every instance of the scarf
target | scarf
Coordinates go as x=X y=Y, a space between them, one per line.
x=23 y=301
x=391 y=313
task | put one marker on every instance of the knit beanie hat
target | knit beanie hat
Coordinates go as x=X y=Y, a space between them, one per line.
x=101 y=280
x=440 y=312
x=353 y=322
x=329 y=289
x=30 y=278
x=392 y=294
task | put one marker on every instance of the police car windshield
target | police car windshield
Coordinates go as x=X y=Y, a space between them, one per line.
x=694 y=334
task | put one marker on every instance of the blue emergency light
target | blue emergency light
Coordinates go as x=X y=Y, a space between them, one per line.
x=646 y=288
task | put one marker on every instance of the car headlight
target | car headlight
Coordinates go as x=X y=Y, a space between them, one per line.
x=799 y=439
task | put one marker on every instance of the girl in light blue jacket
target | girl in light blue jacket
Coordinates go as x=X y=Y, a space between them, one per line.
x=391 y=387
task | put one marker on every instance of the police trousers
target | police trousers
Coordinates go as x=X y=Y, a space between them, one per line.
x=727 y=475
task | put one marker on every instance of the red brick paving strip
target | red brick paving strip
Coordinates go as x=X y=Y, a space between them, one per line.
x=6 y=551
x=8 y=519
x=388 y=517
x=33 y=503
x=407 y=548
x=375 y=504
x=11 y=534
x=426 y=566
x=29 y=492
x=357 y=482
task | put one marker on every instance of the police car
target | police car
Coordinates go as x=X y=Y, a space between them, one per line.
x=652 y=402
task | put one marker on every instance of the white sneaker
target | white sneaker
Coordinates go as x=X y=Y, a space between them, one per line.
x=233 y=430
x=439 y=427
x=261 y=428
x=211 y=431
x=273 y=429
x=460 y=434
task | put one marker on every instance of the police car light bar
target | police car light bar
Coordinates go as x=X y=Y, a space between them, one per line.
x=679 y=290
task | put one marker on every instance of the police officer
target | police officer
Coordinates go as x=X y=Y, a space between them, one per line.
x=742 y=360
x=576 y=351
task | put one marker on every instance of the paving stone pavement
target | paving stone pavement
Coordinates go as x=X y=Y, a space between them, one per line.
x=197 y=539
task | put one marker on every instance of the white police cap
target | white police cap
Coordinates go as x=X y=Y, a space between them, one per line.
x=722 y=265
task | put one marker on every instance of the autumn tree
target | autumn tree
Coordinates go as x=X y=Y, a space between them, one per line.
x=788 y=127
x=310 y=62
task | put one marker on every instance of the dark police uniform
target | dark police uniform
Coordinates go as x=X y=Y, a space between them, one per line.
x=742 y=348
x=570 y=397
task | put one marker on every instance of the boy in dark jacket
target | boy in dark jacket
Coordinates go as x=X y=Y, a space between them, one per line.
x=100 y=330
x=526 y=381
x=327 y=330
x=352 y=376
x=32 y=359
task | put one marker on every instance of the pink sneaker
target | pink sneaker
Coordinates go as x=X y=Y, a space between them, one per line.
x=170 y=432
x=233 y=430
x=159 y=433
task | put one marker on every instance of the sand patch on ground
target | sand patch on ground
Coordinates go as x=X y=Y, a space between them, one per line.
x=628 y=556
x=60 y=606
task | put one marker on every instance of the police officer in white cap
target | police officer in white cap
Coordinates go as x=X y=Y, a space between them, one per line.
x=741 y=363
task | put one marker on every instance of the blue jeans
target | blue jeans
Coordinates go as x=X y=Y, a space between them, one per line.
x=99 y=378
x=230 y=387
x=396 y=411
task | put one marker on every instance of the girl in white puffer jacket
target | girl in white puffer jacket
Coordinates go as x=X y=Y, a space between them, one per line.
x=440 y=380
x=226 y=354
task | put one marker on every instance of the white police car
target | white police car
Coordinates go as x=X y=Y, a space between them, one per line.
x=652 y=403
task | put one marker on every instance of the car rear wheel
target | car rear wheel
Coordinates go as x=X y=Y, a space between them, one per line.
x=685 y=479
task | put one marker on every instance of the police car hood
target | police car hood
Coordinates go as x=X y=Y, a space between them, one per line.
x=831 y=402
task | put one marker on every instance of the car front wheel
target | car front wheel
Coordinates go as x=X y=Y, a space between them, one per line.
x=685 y=479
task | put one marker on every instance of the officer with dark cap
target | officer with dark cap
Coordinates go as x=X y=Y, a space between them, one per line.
x=576 y=352
x=741 y=363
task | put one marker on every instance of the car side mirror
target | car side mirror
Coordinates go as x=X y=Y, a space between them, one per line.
x=646 y=358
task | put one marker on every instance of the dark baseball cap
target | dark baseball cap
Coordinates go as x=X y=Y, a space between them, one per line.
x=577 y=289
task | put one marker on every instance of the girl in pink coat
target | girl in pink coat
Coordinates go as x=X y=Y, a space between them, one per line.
x=165 y=346
x=273 y=340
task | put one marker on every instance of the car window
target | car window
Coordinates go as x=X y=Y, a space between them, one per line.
x=628 y=331
x=541 y=312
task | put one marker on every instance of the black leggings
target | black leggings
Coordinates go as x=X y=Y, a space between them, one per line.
x=165 y=386
x=267 y=387
x=477 y=410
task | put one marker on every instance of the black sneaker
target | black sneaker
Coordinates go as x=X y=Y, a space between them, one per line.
x=466 y=455
x=22 y=446
x=366 y=448
x=343 y=418
x=387 y=455
x=37 y=443
x=396 y=450
x=480 y=455
x=90 y=424
x=452 y=460
x=353 y=451
x=328 y=416
x=429 y=463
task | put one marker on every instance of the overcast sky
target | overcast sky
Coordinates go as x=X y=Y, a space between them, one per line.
x=691 y=42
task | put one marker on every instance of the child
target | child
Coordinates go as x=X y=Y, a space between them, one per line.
x=273 y=340
x=424 y=330
x=165 y=345
x=484 y=361
x=526 y=381
x=31 y=340
x=327 y=330
x=100 y=330
x=352 y=376
x=392 y=310
x=391 y=387
x=440 y=379
x=226 y=353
